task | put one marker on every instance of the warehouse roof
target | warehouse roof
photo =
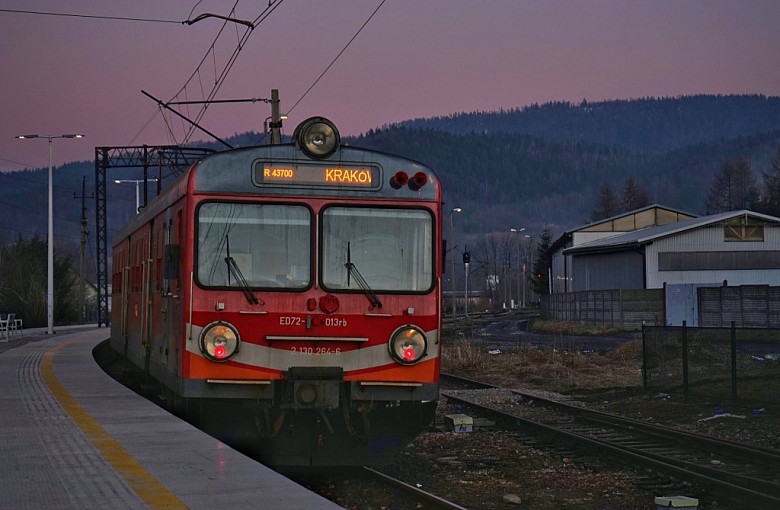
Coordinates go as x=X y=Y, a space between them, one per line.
x=649 y=234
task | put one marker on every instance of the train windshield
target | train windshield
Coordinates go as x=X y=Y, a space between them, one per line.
x=266 y=245
x=391 y=249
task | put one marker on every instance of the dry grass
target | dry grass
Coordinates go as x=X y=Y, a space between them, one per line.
x=551 y=369
x=572 y=328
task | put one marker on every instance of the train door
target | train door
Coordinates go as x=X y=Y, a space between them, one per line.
x=146 y=292
x=122 y=285
x=169 y=257
x=125 y=303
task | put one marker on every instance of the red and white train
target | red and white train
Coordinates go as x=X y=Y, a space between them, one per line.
x=288 y=298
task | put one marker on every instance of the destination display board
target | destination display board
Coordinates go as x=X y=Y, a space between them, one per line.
x=314 y=174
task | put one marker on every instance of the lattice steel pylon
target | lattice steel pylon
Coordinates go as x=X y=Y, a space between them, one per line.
x=173 y=158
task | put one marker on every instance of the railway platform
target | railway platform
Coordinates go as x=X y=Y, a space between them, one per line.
x=74 y=438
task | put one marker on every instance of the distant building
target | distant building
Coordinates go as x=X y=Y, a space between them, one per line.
x=562 y=271
x=732 y=248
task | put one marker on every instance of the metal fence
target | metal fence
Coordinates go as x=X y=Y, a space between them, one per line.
x=627 y=308
x=749 y=306
x=712 y=362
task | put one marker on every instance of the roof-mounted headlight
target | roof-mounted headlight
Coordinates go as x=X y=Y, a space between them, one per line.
x=408 y=345
x=317 y=137
x=219 y=341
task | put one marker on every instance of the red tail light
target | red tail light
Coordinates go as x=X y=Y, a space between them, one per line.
x=419 y=180
x=399 y=179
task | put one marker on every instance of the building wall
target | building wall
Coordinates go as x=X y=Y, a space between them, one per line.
x=620 y=270
x=560 y=272
x=644 y=218
x=712 y=239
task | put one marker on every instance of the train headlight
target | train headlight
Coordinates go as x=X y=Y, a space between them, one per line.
x=219 y=341
x=408 y=345
x=317 y=137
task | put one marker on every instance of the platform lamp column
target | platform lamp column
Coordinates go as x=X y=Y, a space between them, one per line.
x=50 y=237
x=526 y=254
x=466 y=261
x=520 y=266
x=452 y=260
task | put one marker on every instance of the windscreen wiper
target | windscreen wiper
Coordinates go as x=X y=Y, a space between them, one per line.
x=352 y=269
x=234 y=270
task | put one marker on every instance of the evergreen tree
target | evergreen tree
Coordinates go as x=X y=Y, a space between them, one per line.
x=542 y=263
x=23 y=282
x=607 y=203
x=634 y=196
x=770 y=199
x=734 y=187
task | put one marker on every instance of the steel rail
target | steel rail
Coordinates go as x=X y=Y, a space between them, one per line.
x=416 y=491
x=764 y=492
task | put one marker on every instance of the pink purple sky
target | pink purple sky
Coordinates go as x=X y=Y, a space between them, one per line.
x=414 y=58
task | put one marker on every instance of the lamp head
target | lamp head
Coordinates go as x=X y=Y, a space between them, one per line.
x=317 y=137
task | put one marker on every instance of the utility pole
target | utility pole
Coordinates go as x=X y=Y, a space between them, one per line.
x=276 y=118
x=82 y=263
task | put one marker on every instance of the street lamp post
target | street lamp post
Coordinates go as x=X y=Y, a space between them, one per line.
x=50 y=237
x=452 y=258
x=528 y=249
x=520 y=265
x=137 y=194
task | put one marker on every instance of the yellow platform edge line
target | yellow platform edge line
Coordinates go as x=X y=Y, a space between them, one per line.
x=143 y=483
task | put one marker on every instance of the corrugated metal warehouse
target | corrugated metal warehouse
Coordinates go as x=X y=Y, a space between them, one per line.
x=668 y=247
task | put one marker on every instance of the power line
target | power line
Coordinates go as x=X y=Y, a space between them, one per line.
x=183 y=88
x=91 y=16
x=337 y=56
x=26 y=165
x=272 y=6
x=219 y=75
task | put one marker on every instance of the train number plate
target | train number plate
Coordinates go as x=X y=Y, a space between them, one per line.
x=317 y=350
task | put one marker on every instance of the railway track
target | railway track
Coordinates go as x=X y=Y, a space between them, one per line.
x=369 y=487
x=746 y=474
x=429 y=501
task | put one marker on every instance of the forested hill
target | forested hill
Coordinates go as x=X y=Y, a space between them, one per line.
x=531 y=167
x=656 y=124
x=504 y=178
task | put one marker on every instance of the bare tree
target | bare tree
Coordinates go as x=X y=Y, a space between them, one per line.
x=492 y=260
x=607 y=203
x=770 y=198
x=734 y=187
x=634 y=196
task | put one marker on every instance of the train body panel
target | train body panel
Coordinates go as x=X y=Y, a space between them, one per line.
x=305 y=291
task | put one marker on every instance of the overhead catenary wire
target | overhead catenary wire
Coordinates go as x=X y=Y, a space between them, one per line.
x=219 y=79
x=91 y=16
x=337 y=56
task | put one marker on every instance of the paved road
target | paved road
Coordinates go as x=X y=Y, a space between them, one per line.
x=510 y=331
x=504 y=332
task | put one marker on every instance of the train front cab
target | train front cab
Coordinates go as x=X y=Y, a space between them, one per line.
x=313 y=312
x=297 y=318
